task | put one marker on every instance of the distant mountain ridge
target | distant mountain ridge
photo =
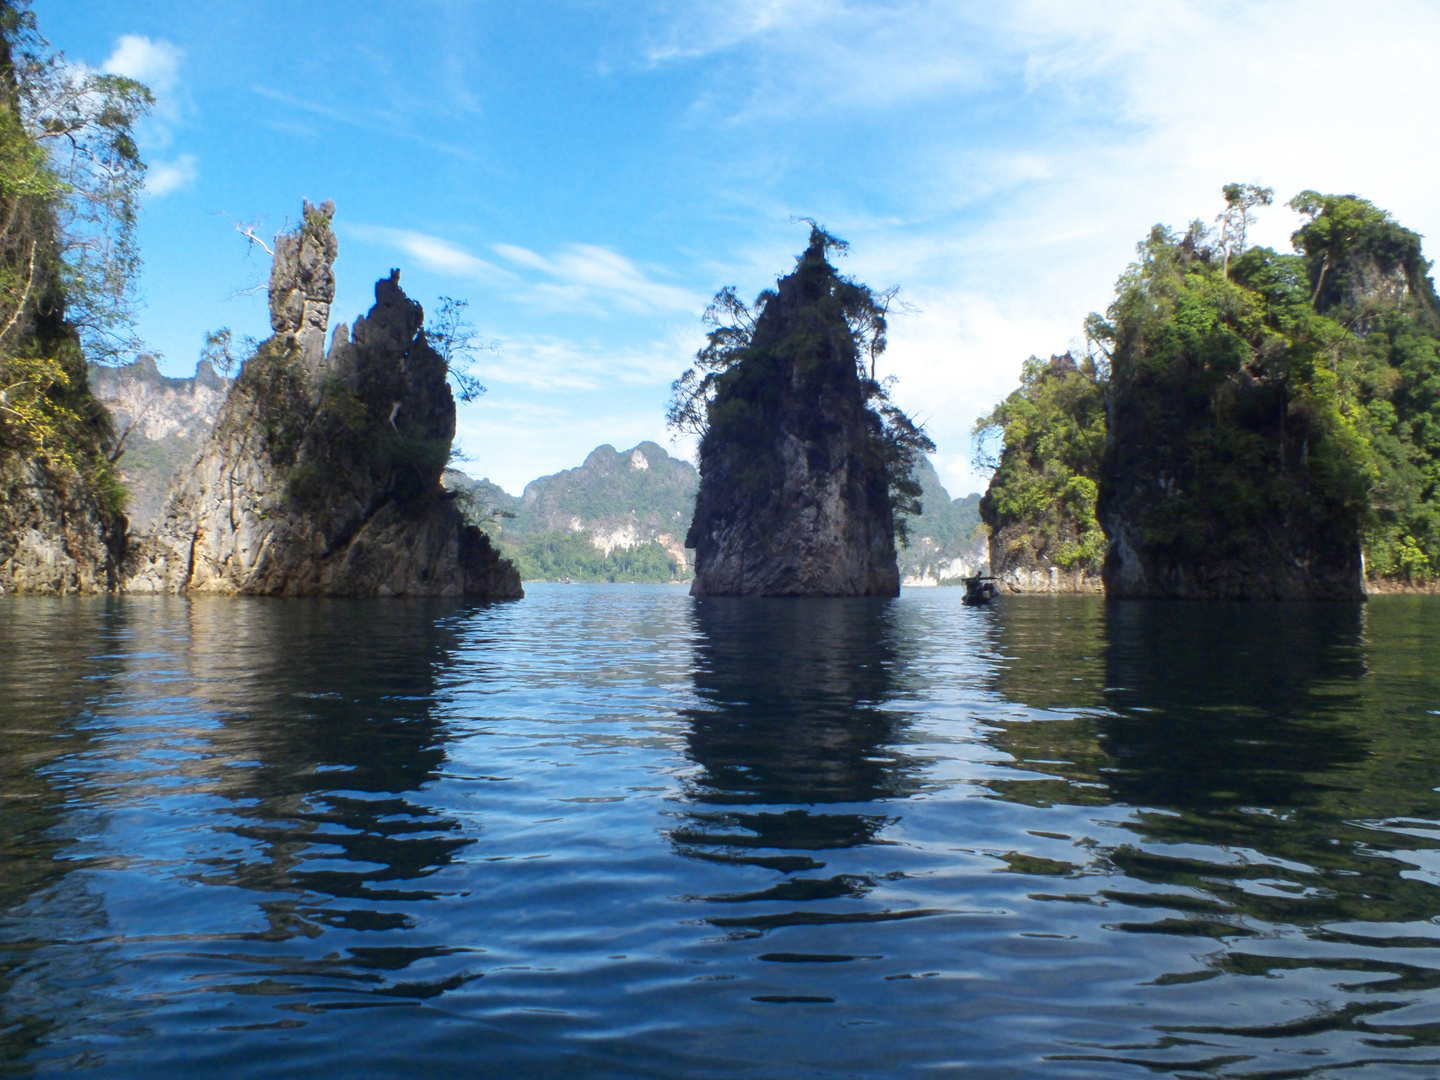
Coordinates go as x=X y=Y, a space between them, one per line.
x=613 y=517
x=947 y=541
x=163 y=422
x=637 y=502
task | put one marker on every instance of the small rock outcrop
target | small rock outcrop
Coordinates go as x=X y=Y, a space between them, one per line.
x=1040 y=505
x=796 y=468
x=322 y=474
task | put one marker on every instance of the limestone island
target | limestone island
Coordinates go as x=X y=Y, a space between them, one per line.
x=804 y=460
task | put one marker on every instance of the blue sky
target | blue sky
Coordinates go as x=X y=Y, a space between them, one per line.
x=588 y=174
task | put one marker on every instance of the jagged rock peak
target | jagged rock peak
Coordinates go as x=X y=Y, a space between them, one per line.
x=302 y=279
x=322 y=474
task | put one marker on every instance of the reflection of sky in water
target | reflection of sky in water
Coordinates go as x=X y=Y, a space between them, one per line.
x=614 y=831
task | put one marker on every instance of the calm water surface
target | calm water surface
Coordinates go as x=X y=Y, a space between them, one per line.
x=613 y=831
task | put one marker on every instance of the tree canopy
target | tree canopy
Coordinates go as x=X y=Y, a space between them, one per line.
x=1253 y=392
x=70 y=176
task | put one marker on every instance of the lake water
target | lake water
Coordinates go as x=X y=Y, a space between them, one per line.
x=611 y=831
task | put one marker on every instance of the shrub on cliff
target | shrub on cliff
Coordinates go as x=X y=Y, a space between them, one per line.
x=1237 y=448
x=1366 y=274
x=1261 y=413
x=1043 y=492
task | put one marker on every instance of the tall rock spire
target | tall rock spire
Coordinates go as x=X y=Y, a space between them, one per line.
x=322 y=474
x=794 y=493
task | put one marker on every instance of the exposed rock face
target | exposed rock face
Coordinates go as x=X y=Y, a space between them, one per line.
x=163 y=423
x=55 y=537
x=1020 y=559
x=302 y=283
x=322 y=475
x=793 y=498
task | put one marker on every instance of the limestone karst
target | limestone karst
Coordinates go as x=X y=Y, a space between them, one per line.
x=801 y=456
x=322 y=474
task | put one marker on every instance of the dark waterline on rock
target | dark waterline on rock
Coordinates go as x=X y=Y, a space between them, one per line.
x=614 y=831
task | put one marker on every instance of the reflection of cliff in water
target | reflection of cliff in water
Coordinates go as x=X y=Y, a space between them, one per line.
x=329 y=736
x=307 y=732
x=59 y=663
x=1269 y=773
x=1199 y=706
x=793 y=718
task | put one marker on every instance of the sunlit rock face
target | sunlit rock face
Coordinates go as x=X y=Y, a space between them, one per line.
x=162 y=423
x=322 y=474
x=792 y=500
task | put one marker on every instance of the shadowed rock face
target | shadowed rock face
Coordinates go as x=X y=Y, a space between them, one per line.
x=55 y=538
x=322 y=476
x=793 y=500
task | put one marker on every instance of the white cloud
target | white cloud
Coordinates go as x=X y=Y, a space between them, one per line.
x=581 y=277
x=1076 y=126
x=584 y=275
x=548 y=363
x=163 y=177
x=433 y=252
x=154 y=63
x=157 y=65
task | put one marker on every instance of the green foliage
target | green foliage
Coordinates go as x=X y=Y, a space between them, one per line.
x=224 y=352
x=82 y=123
x=1253 y=395
x=1367 y=274
x=53 y=281
x=732 y=394
x=348 y=444
x=1044 y=487
x=561 y=555
x=1235 y=401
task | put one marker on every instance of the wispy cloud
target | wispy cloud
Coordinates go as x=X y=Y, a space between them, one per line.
x=594 y=277
x=434 y=253
x=579 y=277
x=375 y=123
x=550 y=363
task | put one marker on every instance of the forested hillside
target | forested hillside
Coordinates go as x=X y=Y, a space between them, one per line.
x=1249 y=423
x=622 y=516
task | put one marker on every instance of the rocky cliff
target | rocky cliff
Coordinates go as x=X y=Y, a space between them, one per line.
x=1021 y=558
x=162 y=423
x=795 y=493
x=56 y=535
x=1232 y=470
x=322 y=474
